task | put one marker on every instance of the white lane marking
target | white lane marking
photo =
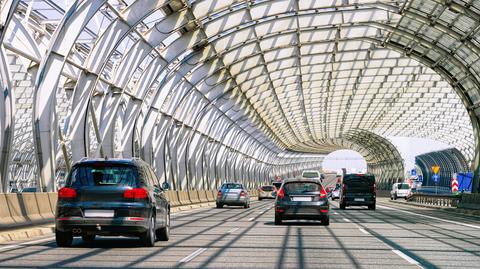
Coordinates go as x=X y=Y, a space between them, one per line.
x=406 y=257
x=193 y=255
x=27 y=243
x=250 y=219
x=363 y=231
x=335 y=213
x=232 y=230
x=430 y=217
x=347 y=220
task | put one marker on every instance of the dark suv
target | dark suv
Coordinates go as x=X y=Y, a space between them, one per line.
x=358 y=190
x=114 y=197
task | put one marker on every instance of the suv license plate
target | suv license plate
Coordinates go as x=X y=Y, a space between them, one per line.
x=96 y=213
x=302 y=199
x=359 y=199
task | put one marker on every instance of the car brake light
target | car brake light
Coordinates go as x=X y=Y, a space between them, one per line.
x=323 y=193
x=219 y=193
x=281 y=193
x=67 y=193
x=323 y=210
x=137 y=193
x=375 y=188
x=242 y=194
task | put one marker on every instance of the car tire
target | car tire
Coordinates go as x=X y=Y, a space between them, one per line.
x=63 y=239
x=219 y=205
x=278 y=220
x=163 y=233
x=371 y=207
x=326 y=221
x=260 y=199
x=88 y=238
x=342 y=206
x=395 y=196
x=148 y=238
x=391 y=197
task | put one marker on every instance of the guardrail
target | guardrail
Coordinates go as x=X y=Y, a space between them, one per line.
x=444 y=200
x=21 y=209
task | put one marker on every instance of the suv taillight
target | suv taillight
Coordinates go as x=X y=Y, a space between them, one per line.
x=67 y=193
x=242 y=194
x=281 y=193
x=374 y=188
x=137 y=193
x=323 y=193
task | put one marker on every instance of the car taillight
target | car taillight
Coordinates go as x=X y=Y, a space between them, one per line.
x=374 y=187
x=281 y=193
x=219 y=194
x=242 y=194
x=343 y=187
x=67 y=193
x=323 y=193
x=137 y=193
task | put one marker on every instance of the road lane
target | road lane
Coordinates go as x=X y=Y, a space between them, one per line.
x=234 y=237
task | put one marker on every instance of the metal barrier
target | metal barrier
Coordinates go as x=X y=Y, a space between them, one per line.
x=444 y=200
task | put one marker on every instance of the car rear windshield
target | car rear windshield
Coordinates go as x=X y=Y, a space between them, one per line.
x=403 y=186
x=233 y=186
x=359 y=180
x=298 y=188
x=277 y=184
x=267 y=188
x=103 y=175
x=310 y=175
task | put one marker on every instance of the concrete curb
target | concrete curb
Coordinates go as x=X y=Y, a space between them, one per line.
x=23 y=234
x=468 y=212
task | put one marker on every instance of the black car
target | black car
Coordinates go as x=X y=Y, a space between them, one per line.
x=358 y=190
x=116 y=197
x=302 y=199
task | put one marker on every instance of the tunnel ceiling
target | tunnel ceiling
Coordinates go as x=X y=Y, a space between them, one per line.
x=303 y=76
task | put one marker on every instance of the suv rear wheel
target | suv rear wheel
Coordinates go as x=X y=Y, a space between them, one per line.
x=163 y=234
x=63 y=239
x=371 y=207
x=148 y=238
x=219 y=205
x=326 y=220
x=278 y=220
x=342 y=206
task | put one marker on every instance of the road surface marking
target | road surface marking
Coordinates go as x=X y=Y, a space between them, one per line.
x=232 y=230
x=406 y=257
x=335 y=213
x=250 y=219
x=193 y=255
x=363 y=231
x=27 y=243
x=430 y=217
x=347 y=220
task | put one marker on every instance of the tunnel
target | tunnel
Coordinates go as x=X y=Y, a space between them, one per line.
x=217 y=91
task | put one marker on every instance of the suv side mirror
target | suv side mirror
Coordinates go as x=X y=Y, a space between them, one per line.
x=165 y=186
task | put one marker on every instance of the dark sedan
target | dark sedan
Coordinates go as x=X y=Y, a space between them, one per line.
x=302 y=199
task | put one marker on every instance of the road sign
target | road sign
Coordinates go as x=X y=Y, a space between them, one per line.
x=435 y=178
x=420 y=179
x=413 y=172
x=436 y=169
x=454 y=185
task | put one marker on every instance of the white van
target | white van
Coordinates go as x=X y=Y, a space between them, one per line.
x=400 y=190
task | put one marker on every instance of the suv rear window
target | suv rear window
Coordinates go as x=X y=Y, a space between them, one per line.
x=359 y=180
x=267 y=188
x=310 y=175
x=103 y=175
x=277 y=185
x=232 y=186
x=298 y=188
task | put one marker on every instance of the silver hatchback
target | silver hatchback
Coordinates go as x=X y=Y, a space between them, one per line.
x=234 y=194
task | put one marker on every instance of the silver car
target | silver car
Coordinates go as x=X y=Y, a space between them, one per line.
x=234 y=194
x=267 y=192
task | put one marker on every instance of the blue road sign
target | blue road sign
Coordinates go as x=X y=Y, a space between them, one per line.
x=413 y=172
x=420 y=178
x=435 y=178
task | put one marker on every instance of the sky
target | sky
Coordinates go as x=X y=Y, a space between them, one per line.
x=407 y=146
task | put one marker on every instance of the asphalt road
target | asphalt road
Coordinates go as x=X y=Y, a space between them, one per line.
x=392 y=236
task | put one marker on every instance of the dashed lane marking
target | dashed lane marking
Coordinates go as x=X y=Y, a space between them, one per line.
x=232 y=230
x=406 y=257
x=363 y=231
x=192 y=256
x=347 y=220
